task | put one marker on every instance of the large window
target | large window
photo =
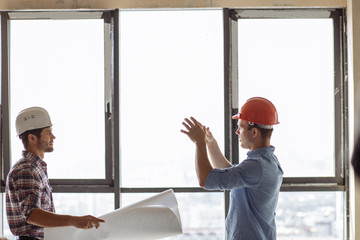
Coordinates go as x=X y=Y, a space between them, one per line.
x=62 y=61
x=293 y=58
x=171 y=67
x=118 y=85
x=291 y=62
x=59 y=65
x=297 y=64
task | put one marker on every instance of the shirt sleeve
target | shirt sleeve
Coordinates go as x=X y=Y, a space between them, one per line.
x=28 y=190
x=246 y=174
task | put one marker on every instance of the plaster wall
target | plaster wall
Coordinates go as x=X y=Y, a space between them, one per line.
x=110 y=4
x=353 y=32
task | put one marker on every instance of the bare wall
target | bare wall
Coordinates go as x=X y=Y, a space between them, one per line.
x=110 y=4
x=353 y=31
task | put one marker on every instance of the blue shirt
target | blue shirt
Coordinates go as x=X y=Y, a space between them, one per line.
x=254 y=186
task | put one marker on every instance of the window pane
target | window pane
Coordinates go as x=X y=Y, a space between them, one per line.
x=171 y=68
x=310 y=216
x=95 y=204
x=290 y=62
x=197 y=220
x=59 y=65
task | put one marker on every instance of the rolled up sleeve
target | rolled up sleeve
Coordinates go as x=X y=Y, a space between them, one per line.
x=246 y=174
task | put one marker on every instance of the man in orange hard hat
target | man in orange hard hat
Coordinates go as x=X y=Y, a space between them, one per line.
x=29 y=202
x=254 y=184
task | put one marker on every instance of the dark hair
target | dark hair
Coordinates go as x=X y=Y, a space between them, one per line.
x=24 y=136
x=265 y=133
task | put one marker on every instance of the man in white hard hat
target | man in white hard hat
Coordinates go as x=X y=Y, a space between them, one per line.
x=254 y=184
x=29 y=202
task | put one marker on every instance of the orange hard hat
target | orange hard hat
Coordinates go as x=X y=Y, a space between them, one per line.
x=260 y=111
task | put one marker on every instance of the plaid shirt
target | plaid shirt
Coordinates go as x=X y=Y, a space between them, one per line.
x=27 y=188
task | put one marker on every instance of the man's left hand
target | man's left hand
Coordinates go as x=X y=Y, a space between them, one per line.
x=194 y=130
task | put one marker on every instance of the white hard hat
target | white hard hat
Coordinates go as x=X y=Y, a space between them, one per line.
x=32 y=118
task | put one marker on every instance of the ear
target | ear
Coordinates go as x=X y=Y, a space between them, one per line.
x=255 y=132
x=32 y=138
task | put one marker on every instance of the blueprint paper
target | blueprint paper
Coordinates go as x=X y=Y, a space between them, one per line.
x=153 y=218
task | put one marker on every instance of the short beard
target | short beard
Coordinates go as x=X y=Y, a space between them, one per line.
x=47 y=148
x=50 y=149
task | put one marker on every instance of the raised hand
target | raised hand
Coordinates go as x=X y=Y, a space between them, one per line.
x=194 y=130
x=208 y=136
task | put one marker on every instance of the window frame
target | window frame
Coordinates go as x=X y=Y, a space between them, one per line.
x=340 y=182
x=108 y=184
x=336 y=183
x=181 y=189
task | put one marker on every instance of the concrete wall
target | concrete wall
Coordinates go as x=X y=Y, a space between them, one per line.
x=106 y=4
x=353 y=12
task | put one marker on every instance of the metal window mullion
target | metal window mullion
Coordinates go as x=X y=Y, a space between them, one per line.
x=161 y=189
x=311 y=188
x=83 y=182
x=83 y=188
x=311 y=180
x=289 y=13
x=111 y=44
x=341 y=114
x=116 y=107
x=232 y=84
x=230 y=91
x=108 y=95
x=345 y=120
x=227 y=96
x=5 y=127
x=338 y=99
x=59 y=15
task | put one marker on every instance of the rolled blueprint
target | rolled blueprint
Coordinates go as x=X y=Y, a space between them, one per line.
x=152 y=218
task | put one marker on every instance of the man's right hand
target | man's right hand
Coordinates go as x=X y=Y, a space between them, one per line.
x=44 y=218
x=87 y=222
x=209 y=138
